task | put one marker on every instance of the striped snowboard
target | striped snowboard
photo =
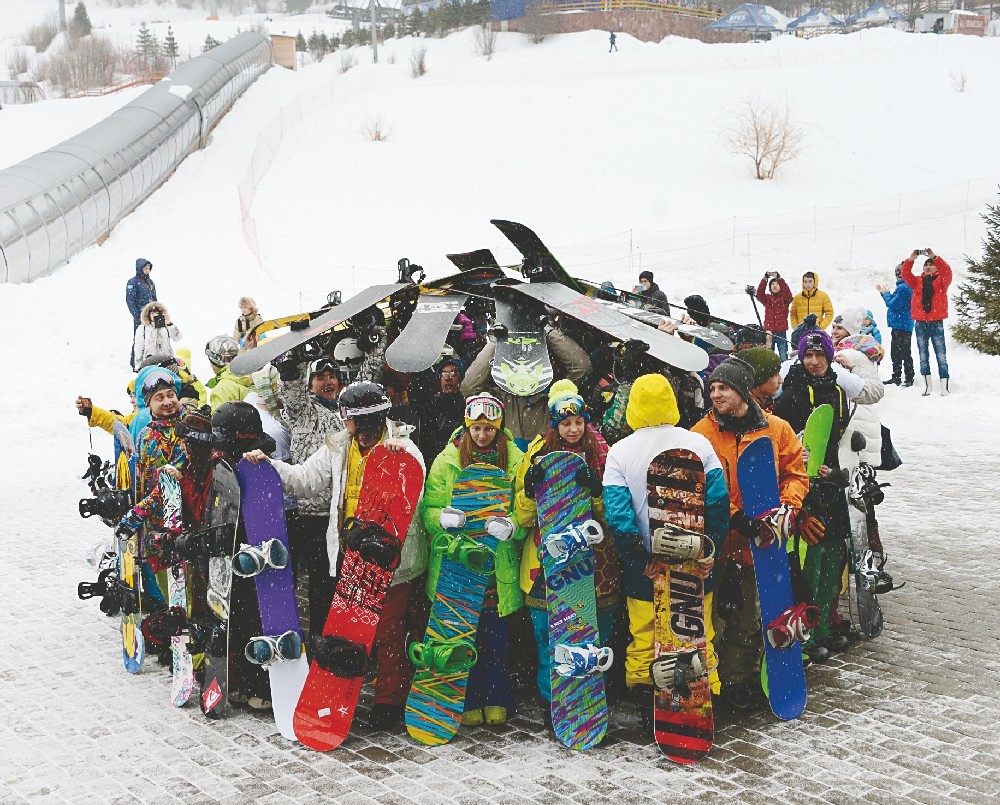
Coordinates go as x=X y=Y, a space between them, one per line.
x=579 y=707
x=683 y=729
x=436 y=702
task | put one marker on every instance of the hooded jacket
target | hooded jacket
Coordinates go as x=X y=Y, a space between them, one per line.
x=814 y=301
x=863 y=420
x=897 y=305
x=140 y=290
x=652 y=413
x=142 y=415
x=775 y=304
x=939 y=299
x=656 y=297
x=227 y=387
x=150 y=339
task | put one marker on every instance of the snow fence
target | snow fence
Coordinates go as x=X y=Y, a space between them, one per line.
x=62 y=200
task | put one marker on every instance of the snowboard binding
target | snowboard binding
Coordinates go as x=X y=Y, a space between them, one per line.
x=443 y=656
x=675 y=544
x=206 y=543
x=252 y=560
x=340 y=656
x=158 y=628
x=581 y=661
x=266 y=650
x=108 y=504
x=375 y=545
x=562 y=546
x=865 y=487
x=872 y=576
x=794 y=624
x=474 y=556
x=103 y=588
x=207 y=637
x=674 y=671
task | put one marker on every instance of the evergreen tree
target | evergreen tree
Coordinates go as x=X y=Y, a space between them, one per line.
x=415 y=22
x=170 y=48
x=324 y=44
x=313 y=43
x=144 y=43
x=80 y=24
x=300 y=43
x=209 y=44
x=978 y=302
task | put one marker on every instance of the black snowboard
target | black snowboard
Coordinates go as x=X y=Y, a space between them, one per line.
x=521 y=365
x=419 y=345
x=480 y=258
x=539 y=264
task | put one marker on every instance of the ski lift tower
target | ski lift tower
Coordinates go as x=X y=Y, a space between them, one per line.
x=62 y=15
x=373 y=6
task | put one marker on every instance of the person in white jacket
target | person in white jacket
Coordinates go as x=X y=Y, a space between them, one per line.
x=860 y=354
x=154 y=333
x=339 y=465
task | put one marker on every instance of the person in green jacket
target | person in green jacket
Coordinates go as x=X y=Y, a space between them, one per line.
x=225 y=386
x=483 y=439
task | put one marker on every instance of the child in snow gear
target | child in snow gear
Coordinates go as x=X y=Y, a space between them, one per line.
x=775 y=295
x=140 y=290
x=811 y=300
x=897 y=303
x=482 y=440
x=929 y=309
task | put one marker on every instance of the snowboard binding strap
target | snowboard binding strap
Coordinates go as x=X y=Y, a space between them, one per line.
x=581 y=662
x=207 y=637
x=474 y=556
x=340 y=656
x=252 y=560
x=443 y=657
x=375 y=545
x=562 y=546
x=674 y=671
x=794 y=624
x=674 y=544
x=206 y=543
x=267 y=650
x=159 y=627
x=871 y=575
x=96 y=589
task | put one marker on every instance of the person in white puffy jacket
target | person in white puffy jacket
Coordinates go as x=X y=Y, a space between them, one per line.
x=154 y=333
x=860 y=355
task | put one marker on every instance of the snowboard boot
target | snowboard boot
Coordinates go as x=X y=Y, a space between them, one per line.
x=742 y=696
x=834 y=644
x=473 y=718
x=815 y=652
x=495 y=716
x=642 y=695
x=383 y=716
x=908 y=382
x=238 y=697
x=944 y=387
x=927 y=386
x=256 y=704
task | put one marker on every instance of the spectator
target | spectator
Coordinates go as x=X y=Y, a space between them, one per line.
x=651 y=292
x=929 y=309
x=775 y=295
x=811 y=300
x=613 y=47
x=900 y=324
x=140 y=290
x=249 y=318
x=154 y=334
x=870 y=327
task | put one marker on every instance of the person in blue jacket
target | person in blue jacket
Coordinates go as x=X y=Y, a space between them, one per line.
x=140 y=290
x=870 y=327
x=901 y=326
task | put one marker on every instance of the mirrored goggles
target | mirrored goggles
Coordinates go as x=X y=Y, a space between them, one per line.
x=488 y=408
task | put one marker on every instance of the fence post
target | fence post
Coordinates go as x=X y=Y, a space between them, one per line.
x=815 y=224
x=748 y=254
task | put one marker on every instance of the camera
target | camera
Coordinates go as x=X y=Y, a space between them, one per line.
x=159 y=320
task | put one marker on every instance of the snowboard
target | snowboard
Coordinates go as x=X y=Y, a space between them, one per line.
x=418 y=346
x=126 y=592
x=521 y=364
x=264 y=519
x=604 y=317
x=816 y=437
x=480 y=258
x=864 y=537
x=436 y=703
x=757 y=473
x=390 y=489
x=539 y=263
x=579 y=705
x=182 y=664
x=261 y=355
x=277 y=324
x=683 y=722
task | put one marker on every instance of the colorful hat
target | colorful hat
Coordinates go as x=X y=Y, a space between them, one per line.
x=865 y=344
x=482 y=407
x=565 y=401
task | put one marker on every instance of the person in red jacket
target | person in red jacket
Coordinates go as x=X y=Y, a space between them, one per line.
x=775 y=295
x=929 y=308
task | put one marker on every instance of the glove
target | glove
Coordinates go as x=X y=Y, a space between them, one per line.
x=838 y=478
x=775 y=525
x=534 y=475
x=500 y=527
x=743 y=525
x=125 y=529
x=810 y=527
x=452 y=518
x=288 y=369
x=590 y=480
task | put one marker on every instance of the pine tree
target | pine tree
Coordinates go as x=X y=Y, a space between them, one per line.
x=209 y=44
x=144 y=44
x=324 y=44
x=300 y=43
x=170 y=48
x=313 y=43
x=80 y=24
x=978 y=302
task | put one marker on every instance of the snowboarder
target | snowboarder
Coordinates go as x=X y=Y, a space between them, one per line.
x=482 y=439
x=929 y=309
x=775 y=295
x=224 y=386
x=154 y=334
x=140 y=290
x=734 y=422
x=767 y=381
x=897 y=303
x=652 y=413
x=811 y=300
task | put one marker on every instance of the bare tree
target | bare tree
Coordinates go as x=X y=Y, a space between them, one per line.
x=376 y=129
x=959 y=80
x=486 y=40
x=766 y=133
x=347 y=61
x=537 y=25
x=418 y=61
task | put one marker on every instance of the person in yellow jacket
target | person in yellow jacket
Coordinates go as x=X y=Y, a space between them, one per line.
x=570 y=431
x=484 y=440
x=225 y=386
x=105 y=420
x=811 y=300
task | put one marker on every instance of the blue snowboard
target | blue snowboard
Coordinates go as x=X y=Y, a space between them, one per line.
x=758 y=479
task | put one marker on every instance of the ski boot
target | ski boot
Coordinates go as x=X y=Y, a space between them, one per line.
x=475 y=556
x=266 y=650
x=340 y=656
x=443 y=656
x=872 y=576
x=581 y=661
x=675 y=544
x=672 y=672
x=251 y=560
x=206 y=543
x=374 y=544
x=793 y=624
x=564 y=545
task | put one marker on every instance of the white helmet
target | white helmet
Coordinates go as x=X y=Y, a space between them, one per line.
x=221 y=350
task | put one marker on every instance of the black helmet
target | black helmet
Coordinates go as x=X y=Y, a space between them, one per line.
x=237 y=428
x=366 y=403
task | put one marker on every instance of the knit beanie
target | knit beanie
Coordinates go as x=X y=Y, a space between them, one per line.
x=565 y=401
x=851 y=319
x=646 y=275
x=735 y=373
x=816 y=340
x=765 y=364
x=697 y=309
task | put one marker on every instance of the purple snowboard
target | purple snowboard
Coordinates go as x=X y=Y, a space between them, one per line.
x=263 y=513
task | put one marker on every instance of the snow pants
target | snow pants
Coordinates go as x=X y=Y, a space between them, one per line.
x=823 y=568
x=394 y=669
x=737 y=640
x=901 y=352
x=540 y=628
x=307 y=544
x=489 y=680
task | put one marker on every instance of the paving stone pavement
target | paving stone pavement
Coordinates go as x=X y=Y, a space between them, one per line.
x=908 y=718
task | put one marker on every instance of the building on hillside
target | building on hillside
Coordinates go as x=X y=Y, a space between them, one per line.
x=956 y=21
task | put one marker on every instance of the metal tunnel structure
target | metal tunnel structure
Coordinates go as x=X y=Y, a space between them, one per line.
x=58 y=202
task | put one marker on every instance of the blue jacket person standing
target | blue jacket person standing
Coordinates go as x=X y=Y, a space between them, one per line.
x=140 y=290
x=900 y=323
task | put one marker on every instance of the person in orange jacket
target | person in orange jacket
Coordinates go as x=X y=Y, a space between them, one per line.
x=811 y=300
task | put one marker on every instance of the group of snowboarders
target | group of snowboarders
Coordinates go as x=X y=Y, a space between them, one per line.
x=317 y=418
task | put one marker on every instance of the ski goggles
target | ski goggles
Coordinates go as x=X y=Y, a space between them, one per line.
x=158 y=380
x=567 y=407
x=484 y=406
x=323 y=365
x=254 y=559
x=266 y=650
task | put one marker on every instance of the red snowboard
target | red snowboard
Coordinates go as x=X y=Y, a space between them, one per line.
x=390 y=489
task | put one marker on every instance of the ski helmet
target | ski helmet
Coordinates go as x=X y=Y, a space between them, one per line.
x=349 y=357
x=237 y=428
x=157 y=379
x=221 y=350
x=365 y=403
